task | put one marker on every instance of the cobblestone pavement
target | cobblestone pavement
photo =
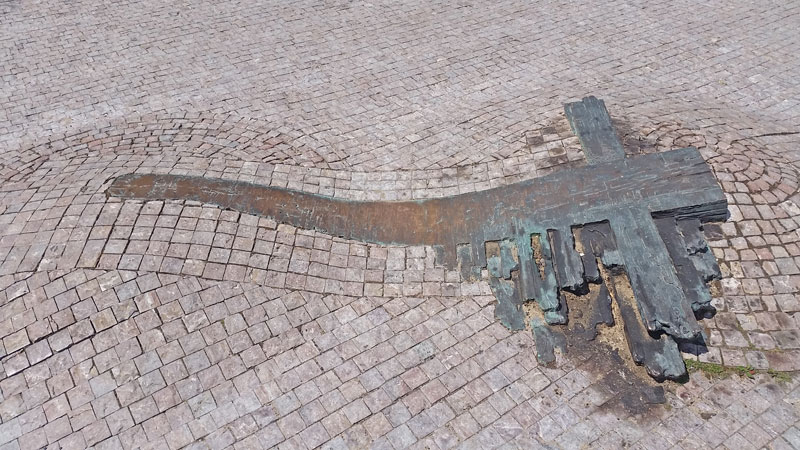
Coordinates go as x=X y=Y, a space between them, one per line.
x=131 y=324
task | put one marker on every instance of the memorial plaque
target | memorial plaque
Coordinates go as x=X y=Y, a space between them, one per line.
x=621 y=230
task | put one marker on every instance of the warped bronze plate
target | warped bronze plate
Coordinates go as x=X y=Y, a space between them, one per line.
x=638 y=217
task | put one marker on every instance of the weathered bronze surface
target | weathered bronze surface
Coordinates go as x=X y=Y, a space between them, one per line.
x=633 y=217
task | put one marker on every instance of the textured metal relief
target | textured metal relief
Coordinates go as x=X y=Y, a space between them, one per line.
x=621 y=236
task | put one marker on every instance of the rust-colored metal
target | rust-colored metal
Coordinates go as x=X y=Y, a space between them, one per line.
x=524 y=233
x=674 y=181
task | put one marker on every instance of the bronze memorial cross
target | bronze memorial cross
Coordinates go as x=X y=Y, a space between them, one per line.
x=624 y=229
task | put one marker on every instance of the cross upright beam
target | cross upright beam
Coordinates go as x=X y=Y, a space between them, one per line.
x=591 y=122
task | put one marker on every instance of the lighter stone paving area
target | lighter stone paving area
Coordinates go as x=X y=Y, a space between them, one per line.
x=128 y=324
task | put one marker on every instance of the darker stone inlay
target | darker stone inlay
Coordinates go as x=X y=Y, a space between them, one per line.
x=629 y=224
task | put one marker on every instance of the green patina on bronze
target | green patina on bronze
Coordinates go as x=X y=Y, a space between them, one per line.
x=524 y=234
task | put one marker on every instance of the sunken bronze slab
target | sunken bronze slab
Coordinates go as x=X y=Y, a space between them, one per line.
x=648 y=207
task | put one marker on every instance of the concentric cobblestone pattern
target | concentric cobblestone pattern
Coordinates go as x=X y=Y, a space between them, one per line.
x=249 y=150
x=162 y=325
x=382 y=86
